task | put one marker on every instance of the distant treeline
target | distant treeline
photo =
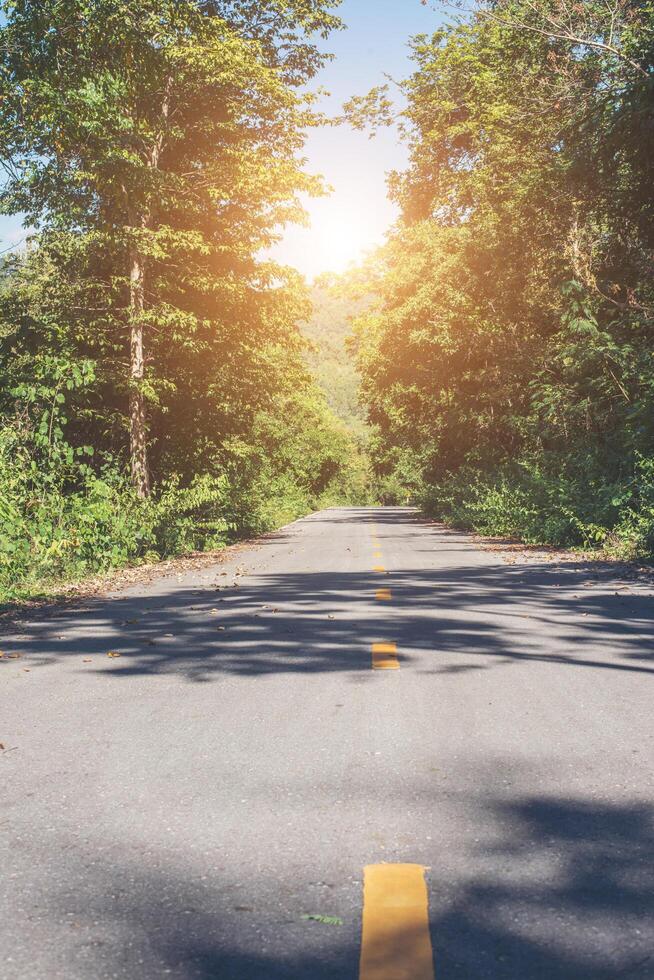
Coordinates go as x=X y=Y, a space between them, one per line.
x=509 y=362
x=329 y=330
x=153 y=392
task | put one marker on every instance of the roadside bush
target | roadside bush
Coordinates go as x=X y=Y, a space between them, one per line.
x=580 y=509
x=67 y=521
x=68 y=511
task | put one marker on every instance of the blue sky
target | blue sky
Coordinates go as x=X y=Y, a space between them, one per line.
x=356 y=215
x=358 y=212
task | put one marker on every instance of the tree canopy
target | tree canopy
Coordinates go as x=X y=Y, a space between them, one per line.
x=157 y=149
x=508 y=365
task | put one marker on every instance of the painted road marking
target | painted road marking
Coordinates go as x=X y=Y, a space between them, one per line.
x=383 y=594
x=378 y=568
x=384 y=656
x=395 y=943
x=377 y=554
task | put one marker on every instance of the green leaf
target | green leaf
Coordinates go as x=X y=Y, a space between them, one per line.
x=327 y=920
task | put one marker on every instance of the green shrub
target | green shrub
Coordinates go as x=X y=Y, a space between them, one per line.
x=576 y=507
x=66 y=511
x=68 y=521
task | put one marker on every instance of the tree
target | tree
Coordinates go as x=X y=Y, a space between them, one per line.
x=161 y=138
x=508 y=364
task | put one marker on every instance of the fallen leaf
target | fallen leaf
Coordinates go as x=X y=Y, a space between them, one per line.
x=113 y=653
x=13 y=656
x=26 y=670
x=86 y=660
x=328 y=920
x=2 y=748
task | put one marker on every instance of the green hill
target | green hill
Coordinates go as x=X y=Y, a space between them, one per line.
x=328 y=358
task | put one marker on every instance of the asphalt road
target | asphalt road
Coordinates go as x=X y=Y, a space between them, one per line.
x=177 y=810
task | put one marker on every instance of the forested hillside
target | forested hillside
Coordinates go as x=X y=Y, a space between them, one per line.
x=329 y=360
x=153 y=394
x=508 y=364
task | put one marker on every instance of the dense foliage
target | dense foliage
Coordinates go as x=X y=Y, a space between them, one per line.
x=508 y=365
x=153 y=393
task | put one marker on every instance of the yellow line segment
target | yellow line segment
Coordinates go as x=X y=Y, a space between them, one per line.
x=383 y=594
x=395 y=943
x=378 y=568
x=384 y=656
x=377 y=554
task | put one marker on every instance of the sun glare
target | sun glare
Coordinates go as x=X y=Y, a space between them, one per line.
x=339 y=236
x=341 y=233
x=356 y=213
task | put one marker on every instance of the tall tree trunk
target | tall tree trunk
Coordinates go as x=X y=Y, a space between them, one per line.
x=139 y=222
x=138 y=443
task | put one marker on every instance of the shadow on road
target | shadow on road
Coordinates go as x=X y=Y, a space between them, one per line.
x=547 y=888
x=463 y=617
x=565 y=894
x=575 y=899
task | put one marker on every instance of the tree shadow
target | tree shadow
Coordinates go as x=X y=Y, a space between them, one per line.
x=576 y=899
x=564 y=892
x=543 y=887
x=451 y=620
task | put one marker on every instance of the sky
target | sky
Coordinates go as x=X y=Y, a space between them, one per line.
x=354 y=218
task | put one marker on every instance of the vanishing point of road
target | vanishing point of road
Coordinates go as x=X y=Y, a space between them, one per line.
x=363 y=747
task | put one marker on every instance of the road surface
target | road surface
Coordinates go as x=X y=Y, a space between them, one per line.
x=179 y=810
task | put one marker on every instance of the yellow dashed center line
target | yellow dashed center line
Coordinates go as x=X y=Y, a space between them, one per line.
x=377 y=554
x=378 y=568
x=383 y=594
x=395 y=943
x=384 y=656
